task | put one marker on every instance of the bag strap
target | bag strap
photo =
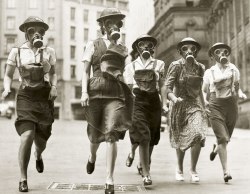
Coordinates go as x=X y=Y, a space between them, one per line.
x=212 y=71
x=133 y=63
x=19 y=57
x=154 y=65
x=232 y=82
x=41 y=55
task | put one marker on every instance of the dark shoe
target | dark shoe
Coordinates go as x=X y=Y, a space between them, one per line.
x=213 y=154
x=90 y=167
x=147 y=180
x=109 y=189
x=139 y=170
x=129 y=161
x=227 y=177
x=23 y=186
x=39 y=165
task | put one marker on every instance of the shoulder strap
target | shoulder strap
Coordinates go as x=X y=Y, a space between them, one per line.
x=232 y=82
x=212 y=71
x=41 y=55
x=133 y=64
x=19 y=57
x=154 y=65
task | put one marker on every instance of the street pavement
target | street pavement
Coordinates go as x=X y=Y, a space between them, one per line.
x=68 y=149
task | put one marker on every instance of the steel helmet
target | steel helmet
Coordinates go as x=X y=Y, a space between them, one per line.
x=144 y=37
x=31 y=21
x=188 y=40
x=218 y=45
x=110 y=12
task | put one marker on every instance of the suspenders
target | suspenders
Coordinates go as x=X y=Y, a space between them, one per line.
x=19 y=56
x=232 y=80
x=154 y=65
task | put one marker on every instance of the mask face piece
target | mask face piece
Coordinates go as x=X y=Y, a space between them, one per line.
x=145 y=48
x=188 y=52
x=113 y=28
x=221 y=55
x=35 y=35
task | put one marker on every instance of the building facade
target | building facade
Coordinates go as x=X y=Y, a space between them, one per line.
x=72 y=24
x=228 y=22
x=208 y=22
x=175 y=20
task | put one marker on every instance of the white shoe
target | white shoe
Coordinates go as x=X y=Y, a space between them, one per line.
x=179 y=176
x=194 y=177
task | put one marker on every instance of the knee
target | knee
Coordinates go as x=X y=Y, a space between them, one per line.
x=28 y=136
x=223 y=141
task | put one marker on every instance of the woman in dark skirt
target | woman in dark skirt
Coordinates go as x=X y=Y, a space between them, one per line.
x=104 y=96
x=221 y=81
x=145 y=78
x=34 y=106
x=188 y=120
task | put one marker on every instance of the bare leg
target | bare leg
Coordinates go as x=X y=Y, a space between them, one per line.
x=133 y=148
x=110 y=161
x=222 y=150
x=40 y=144
x=144 y=157
x=151 y=148
x=93 y=149
x=180 y=157
x=24 y=152
x=195 y=152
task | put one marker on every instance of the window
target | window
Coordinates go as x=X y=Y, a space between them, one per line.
x=86 y=1
x=238 y=15
x=51 y=4
x=72 y=71
x=86 y=34
x=72 y=32
x=10 y=23
x=98 y=2
x=10 y=43
x=51 y=23
x=246 y=11
x=72 y=52
x=85 y=15
x=51 y=42
x=32 y=4
x=231 y=19
x=78 y=92
x=122 y=4
x=11 y=3
x=110 y=3
x=72 y=13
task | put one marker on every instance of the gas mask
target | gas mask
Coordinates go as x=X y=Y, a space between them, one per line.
x=221 y=55
x=112 y=27
x=35 y=36
x=188 y=52
x=145 y=48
